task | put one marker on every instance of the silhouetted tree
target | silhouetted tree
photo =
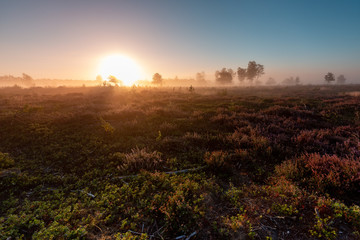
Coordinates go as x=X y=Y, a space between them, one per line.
x=231 y=72
x=157 y=79
x=224 y=76
x=251 y=70
x=114 y=80
x=191 y=89
x=329 y=77
x=341 y=79
x=259 y=71
x=241 y=73
x=200 y=77
x=254 y=70
x=270 y=81
x=99 y=78
x=27 y=80
x=289 y=81
x=297 y=80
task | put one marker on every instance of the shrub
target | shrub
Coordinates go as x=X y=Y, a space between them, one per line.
x=324 y=172
x=217 y=160
x=334 y=172
x=107 y=126
x=141 y=159
x=340 y=141
x=323 y=229
x=6 y=161
x=291 y=169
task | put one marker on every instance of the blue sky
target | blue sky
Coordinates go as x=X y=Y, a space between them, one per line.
x=67 y=39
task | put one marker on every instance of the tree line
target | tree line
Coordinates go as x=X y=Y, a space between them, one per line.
x=253 y=71
x=330 y=77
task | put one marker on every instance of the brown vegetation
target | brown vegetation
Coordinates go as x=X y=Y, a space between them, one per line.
x=165 y=163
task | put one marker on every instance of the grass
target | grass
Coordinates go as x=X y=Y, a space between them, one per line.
x=103 y=163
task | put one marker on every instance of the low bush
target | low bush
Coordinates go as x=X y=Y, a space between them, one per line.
x=323 y=172
x=140 y=159
x=6 y=161
x=218 y=161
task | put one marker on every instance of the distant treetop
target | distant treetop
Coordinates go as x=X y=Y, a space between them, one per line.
x=341 y=79
x=157 y=79
x=329 y=77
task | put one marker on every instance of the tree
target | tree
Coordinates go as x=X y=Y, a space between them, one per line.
x=297 y=80
x=254 y=70
x=289 y=81
x=241 y=73
x=200 y=77
x=259 y=71
x=191 y=89
x=114 y=80
x=27 y=80
x=157 y=79
x=224 y=76
x=329 y=77
x=99 y=78
x=231 y=72
x=270 y=81
x=341 y=79
x=251 y=70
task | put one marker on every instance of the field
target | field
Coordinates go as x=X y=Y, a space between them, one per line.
x=180 y=163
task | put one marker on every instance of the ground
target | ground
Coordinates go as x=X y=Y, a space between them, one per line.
x=165 y=163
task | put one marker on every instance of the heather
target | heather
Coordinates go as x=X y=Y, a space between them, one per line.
x=166 y=163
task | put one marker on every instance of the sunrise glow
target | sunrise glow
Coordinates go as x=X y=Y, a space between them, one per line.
x=122 y=67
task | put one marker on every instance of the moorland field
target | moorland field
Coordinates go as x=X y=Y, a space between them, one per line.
x=180 y=163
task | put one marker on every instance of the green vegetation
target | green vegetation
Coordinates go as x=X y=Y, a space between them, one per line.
x=141 y=163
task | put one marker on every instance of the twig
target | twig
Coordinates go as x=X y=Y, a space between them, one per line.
x=48 y=189
x=186 y=170
x=180 y=237
x=89 y=194
x=133 y=232
x=317 y=212
x=264 y=226
x=157 y=231
x=98 y=227
x=172 y=172
x=127 y=176
x=191 y=235
x=137 y=233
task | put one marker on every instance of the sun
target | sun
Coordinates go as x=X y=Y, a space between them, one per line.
x=122 y=67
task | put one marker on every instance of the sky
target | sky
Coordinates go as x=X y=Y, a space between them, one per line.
x=67 y=39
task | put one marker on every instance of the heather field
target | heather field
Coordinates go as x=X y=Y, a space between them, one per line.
x=180 y=163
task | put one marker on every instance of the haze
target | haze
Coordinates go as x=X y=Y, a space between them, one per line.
x=68 y=39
